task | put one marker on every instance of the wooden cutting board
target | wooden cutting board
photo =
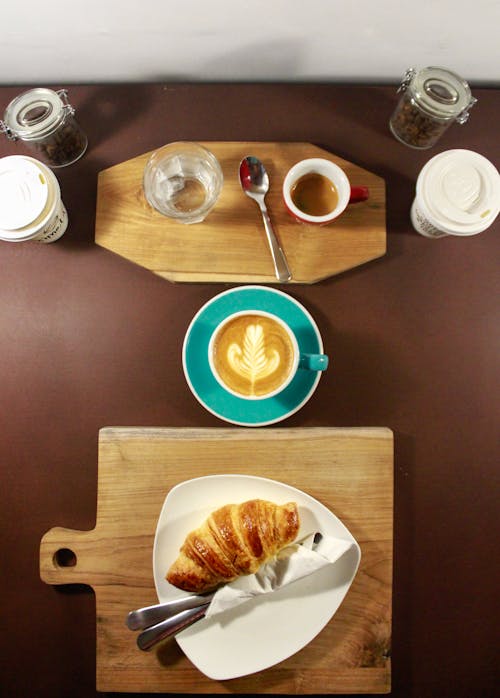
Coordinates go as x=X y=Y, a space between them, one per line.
x=349 y=470
x=230 y=244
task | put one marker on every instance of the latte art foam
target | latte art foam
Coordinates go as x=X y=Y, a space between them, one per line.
x=253 y=355
x=251 y=360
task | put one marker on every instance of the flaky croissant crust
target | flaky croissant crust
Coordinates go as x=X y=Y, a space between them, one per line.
x=235 y=540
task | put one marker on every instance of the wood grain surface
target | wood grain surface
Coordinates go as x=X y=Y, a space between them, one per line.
x=230 y=245
x=349 y=470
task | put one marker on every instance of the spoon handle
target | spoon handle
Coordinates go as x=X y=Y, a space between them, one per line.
x=281 y=268
x=150 y=615
x=171 y=626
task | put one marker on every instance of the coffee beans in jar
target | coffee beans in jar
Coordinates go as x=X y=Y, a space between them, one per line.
x=46 y=123
x=432 y=99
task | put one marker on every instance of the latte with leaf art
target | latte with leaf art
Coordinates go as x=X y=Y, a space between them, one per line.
x=253 y=355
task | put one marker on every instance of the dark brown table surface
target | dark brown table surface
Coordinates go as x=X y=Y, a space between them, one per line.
x=88 y=339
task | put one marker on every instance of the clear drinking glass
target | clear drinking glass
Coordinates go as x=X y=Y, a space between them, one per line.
x=183 y=181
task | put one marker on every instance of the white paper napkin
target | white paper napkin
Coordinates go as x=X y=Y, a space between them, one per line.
x=292 y=563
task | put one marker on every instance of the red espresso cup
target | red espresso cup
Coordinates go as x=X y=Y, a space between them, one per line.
x=318 y=191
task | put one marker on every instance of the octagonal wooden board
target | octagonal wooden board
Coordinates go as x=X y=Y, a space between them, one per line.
x=230 y=245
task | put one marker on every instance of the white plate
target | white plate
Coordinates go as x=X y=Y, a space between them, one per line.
x=270 y=628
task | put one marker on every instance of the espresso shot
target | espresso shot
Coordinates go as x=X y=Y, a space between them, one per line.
x=315 y=194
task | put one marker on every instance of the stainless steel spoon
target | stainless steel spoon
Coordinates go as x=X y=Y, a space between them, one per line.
x=255 y=183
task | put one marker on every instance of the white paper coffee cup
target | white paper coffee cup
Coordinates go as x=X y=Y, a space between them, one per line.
x=30 y=201
x=457 y=193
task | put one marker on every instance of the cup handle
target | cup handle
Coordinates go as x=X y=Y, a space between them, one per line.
x=314 y=362
x=359 y=194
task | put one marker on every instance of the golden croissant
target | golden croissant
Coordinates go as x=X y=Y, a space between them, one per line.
x=235 y=540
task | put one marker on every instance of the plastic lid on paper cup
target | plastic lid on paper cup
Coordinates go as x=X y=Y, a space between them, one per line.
x=459 y=192
x=23 y=192
x=30 y=201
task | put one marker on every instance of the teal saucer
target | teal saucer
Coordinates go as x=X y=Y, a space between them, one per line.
x=206 y=389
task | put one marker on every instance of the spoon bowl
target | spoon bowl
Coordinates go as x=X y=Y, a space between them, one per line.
x=253 y=177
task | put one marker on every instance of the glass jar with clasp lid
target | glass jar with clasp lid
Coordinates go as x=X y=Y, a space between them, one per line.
x=432 y=99
x=45 y=121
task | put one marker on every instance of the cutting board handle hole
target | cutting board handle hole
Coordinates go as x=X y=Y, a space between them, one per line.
x=64 y=557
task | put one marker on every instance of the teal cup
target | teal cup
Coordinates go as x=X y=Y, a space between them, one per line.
x=255 y=355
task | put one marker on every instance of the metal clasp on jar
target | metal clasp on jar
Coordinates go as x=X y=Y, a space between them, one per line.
x=407 y=78
x=464 y=115
x=63 y=95
x=6 y=130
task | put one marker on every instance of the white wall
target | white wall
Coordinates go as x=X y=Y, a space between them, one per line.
x=325 y=40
